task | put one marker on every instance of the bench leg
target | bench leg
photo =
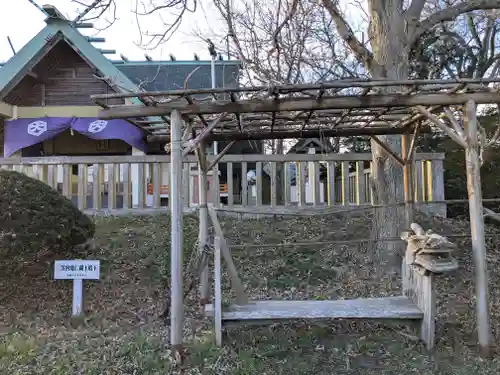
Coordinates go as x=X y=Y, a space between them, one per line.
x=421 y=290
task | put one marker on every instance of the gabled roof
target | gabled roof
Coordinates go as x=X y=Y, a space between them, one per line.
x=126 y=76
x=303 y=145
x=58 y=28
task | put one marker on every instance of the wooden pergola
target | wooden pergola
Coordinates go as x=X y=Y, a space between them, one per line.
x=185 y=120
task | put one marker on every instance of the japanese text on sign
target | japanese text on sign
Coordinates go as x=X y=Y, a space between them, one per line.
x=77 y=269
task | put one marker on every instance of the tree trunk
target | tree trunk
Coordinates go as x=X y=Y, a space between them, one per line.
x=391 y=54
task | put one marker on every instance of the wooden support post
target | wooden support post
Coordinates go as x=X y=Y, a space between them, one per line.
x=218 y=291
x=421 y=290
x=407 y=180
x=477 y=228
x=176 y=266
x=203 y=216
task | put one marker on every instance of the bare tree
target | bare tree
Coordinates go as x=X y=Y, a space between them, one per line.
x=394 y=27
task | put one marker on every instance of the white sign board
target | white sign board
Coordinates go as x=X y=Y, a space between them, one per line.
x=76 y=270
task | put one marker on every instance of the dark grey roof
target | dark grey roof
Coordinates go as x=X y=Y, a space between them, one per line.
x=159 y=76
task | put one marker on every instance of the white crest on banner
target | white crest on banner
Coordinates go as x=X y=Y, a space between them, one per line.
x=37 y=128
x=97 y=126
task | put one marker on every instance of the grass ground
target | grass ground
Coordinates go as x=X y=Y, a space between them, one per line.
x=122 y=333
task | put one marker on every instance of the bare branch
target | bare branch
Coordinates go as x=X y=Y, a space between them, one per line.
x=450 y=13
x=348 y=36
x=414 y=11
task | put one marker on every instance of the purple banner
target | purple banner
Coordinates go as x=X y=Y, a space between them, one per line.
x=95 y=128
x=22 y=133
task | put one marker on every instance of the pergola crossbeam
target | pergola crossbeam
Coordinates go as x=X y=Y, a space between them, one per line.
x=302 y=104
x=267 y=134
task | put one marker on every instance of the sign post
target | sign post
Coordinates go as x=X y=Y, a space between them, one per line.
x=77 y=270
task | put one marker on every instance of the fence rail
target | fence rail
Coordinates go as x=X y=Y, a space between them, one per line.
x=128 y=182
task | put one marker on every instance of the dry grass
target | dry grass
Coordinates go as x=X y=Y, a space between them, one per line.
x=123 y=335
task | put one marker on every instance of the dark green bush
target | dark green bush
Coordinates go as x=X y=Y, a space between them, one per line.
x=36 y=221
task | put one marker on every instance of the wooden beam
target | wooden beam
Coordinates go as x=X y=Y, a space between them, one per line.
x=241 y=297
x=303 y=104
x=473 y=170
x=6 y=110
x=107 y=51
x=58 y=111
x=441 y=125
x=388 y=150
x=84 y=25
x=411 y=150
x=220 y=155
x=336 y=84
x=94 y=39
x=454 y=123
x=193 y=143
x=262 y=135
x=33 y=75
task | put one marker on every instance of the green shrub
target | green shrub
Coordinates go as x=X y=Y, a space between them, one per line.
x=36 y=221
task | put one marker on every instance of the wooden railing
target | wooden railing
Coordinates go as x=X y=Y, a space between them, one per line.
x=139 y=182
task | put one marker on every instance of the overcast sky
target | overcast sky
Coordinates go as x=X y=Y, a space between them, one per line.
x=21 y=20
